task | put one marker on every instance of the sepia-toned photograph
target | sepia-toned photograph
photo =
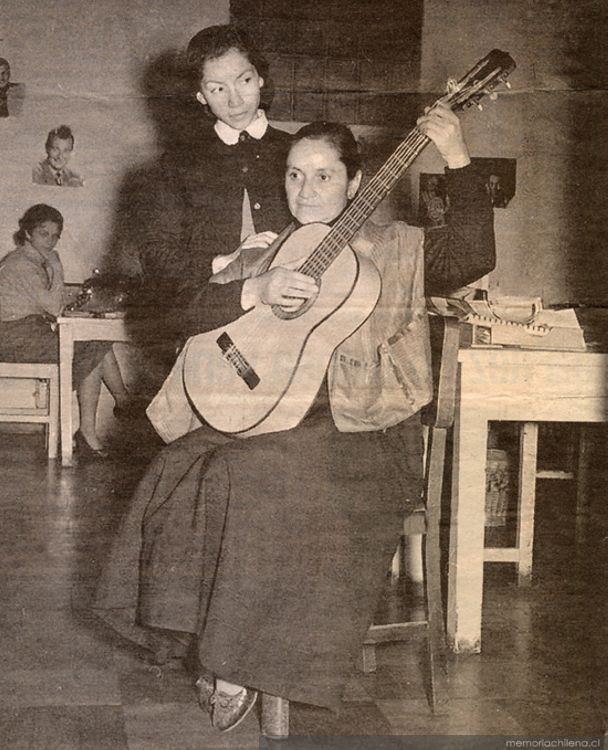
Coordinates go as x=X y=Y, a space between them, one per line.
x=54 y=170
x=304 y=393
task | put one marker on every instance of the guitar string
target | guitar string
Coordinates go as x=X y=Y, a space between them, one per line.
x=243 y=365
x=389 y=173
x=379 y=185
x=382 y=181
x=375 y=190
x=331 y=245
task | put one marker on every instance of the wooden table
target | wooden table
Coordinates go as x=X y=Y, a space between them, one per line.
x=511 y=385
x=71 y=329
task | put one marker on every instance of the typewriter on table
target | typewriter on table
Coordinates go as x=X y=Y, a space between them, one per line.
x=103 y=295
x=511 y=321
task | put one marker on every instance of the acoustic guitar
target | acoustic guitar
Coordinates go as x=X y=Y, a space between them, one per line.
x=261 y=373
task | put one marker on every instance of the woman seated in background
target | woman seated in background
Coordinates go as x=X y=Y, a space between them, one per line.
x=272 y=550
x=32 y=295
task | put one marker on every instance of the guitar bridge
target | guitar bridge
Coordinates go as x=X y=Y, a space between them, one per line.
x=237 y=361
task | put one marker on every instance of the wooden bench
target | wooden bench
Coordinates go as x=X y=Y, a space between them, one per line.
x=47 y=413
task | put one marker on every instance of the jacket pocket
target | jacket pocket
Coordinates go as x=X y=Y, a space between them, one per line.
x=356 y=389
x=366 y=395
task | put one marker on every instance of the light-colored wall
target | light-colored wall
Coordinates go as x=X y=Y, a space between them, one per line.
x=551 y=238
x=82 y=62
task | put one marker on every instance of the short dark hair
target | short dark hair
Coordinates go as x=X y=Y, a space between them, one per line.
x=338 y=136
x=34 y=217
x=4 y=61
x=215 y=41
x=63 y=131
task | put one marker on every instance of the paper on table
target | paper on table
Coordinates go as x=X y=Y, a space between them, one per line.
x=557 y=318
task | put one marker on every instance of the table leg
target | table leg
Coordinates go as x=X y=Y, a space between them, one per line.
x=526 y=500
x=465 y=576
x=66 y=356
x=583 y=471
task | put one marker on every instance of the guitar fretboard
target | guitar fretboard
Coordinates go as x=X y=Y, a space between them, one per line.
x=364 y=204
x=480 y=80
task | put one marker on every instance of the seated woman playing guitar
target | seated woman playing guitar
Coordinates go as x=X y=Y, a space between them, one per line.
x=271 y=550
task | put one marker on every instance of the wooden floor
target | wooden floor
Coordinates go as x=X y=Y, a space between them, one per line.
x=67 y=683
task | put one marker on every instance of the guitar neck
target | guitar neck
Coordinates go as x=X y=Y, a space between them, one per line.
x=481 y=79
x=364 y=204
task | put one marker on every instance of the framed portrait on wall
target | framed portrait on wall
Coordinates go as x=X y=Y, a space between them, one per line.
x=434 y=202
x=499 y=176
x=54 y=170
x=12 y=94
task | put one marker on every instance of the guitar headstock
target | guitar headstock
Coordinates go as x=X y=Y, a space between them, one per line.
x=480 y=81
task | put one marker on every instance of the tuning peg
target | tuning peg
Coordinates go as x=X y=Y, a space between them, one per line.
x=451 y=86
x=480 y=107
x=508 y=84
x=493 y=96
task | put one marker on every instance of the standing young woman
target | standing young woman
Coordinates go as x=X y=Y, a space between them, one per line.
x=271 y=550
x=32 y=295
x=226 y=192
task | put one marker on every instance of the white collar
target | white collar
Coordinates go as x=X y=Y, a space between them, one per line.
x=256 y=129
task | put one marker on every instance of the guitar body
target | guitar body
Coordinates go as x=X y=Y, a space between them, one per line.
x=262 y=372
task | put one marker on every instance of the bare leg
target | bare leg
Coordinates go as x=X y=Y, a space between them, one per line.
x=88 y=398
x=112 y=377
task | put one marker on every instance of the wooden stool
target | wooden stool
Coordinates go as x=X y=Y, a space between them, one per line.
x=47 y=414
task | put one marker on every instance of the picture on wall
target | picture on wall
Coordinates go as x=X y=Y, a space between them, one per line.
x=434 y=202
x=54 y=170
x=11 y=93
x=499 y=176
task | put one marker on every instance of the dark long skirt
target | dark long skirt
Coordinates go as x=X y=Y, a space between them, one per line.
x=273 y=550
x=32 y=339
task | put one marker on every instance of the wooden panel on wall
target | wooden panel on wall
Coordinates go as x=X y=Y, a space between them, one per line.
x=339 y=60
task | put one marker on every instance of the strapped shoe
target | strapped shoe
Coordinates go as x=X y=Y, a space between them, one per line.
x=85 y=452
x=205 y=687
x=228 y=711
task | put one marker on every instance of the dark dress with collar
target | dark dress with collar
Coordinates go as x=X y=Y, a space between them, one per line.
x=186 y=211
x=191 y=211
